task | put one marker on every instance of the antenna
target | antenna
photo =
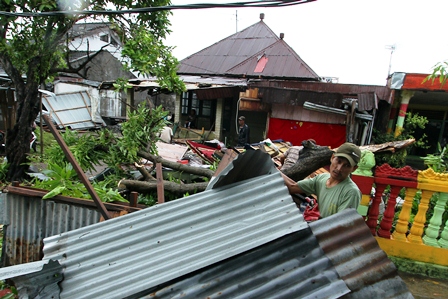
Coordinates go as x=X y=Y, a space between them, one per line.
x=236 y=20
x=392 y=49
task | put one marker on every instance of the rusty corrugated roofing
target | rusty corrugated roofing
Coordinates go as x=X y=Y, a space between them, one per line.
x=293 y=266
x=218 y=58
x=357 y=257
x=30 y=220
x=383 y=92
x=281 y=61
x=310 y=263
x=238 y=239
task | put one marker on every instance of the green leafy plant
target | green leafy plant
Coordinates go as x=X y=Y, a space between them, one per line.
x=108 y=194
x=36 y=49
x=398 y=159
x=140 y=132
x=62 y=181
x=439 y=71
x=3 y=171
x=147 y=199
x=82 y=146
x=437 y=162
x=13 y=291
x=122 y=84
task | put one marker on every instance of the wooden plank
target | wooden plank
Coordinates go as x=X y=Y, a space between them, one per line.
x=160 y=190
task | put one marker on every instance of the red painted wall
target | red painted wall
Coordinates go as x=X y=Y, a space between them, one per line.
x=296 y=131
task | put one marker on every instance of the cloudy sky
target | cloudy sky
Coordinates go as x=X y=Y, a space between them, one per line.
x=346 y=39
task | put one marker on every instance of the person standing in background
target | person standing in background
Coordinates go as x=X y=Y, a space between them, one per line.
x=244 y=132
x=191 y=122
x=166 y=135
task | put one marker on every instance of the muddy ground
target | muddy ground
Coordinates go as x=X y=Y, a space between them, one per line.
x=423 y=287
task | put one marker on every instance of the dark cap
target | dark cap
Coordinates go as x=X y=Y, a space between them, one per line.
x=242 y=118
x=349 y=151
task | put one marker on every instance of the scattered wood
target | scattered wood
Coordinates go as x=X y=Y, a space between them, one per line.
x=392 y=146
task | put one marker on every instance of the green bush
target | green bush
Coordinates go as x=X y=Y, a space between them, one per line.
x=398 y=159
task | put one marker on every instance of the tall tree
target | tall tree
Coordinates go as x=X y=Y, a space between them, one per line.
x=34 y=47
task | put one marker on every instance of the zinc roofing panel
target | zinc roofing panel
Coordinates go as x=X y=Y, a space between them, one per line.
x=70 y=110
x=360 y=262
x=293 y=266
x=132 y=253
x=30 y=220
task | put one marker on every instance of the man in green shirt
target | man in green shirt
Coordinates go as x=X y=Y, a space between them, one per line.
x=335 y=190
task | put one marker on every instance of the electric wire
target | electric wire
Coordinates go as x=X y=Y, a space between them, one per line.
x=251 y=4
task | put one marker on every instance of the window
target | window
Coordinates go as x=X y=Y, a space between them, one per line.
x=189 y=101
x=104 y=38
x=205 y=109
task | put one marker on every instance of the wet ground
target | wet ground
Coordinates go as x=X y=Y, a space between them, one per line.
x=423 y=287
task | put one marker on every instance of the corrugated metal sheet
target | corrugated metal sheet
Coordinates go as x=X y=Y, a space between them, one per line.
x=360 y=262
x=71 y=110
x=296 y=97
x=282 y=61
x=130 y=254
x=299 y=113
x=235 y=240
x=29 y=220
x=305 y=264
x=383 y=92
x=218 y=58
x=35 y=280
x=217 y=93
x=293 y=266
x=367 y=101
x=42 y=284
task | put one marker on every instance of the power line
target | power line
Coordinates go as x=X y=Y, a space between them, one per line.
x=247 y=4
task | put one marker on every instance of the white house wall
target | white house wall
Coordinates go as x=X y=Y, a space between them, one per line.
x=110 y=103
x=94 y=44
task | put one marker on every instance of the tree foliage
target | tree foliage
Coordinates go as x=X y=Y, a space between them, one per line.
x=440 y=72
x=412 y=122
x=34 y=48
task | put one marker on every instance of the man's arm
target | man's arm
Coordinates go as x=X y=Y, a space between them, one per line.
x=280 y=158
x=293 y=188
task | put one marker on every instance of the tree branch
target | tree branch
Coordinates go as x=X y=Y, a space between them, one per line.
x=77 y=69
x=175 y=188
x=177 y=166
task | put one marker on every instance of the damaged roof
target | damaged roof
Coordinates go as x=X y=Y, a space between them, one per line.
x=241 y=238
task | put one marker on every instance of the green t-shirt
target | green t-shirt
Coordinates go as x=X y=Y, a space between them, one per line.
x=344 y=195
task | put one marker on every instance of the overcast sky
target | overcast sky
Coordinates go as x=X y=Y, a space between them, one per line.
x=336 y=38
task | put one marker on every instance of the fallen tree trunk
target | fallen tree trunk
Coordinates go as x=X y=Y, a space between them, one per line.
x=175 y=188
x=311 y=158
x=177 y=166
